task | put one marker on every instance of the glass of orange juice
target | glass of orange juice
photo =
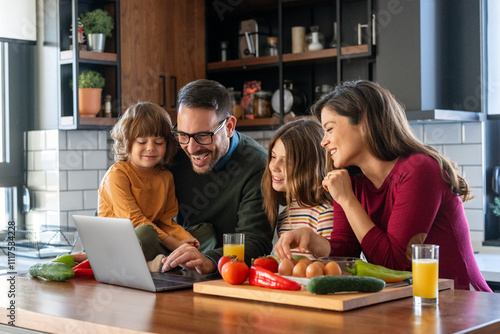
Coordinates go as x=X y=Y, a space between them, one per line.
x=425 y=264
x=234 y=245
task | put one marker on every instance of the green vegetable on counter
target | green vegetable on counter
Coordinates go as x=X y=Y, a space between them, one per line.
x=67 y=259
x=362 y=268
x=52 y=271
x=322 y=285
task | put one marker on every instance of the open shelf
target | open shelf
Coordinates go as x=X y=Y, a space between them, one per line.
x=304 y=74
x=325 y=54
x=243 y=63
x=258 y=121
x=98 y=121
x=90 y=55
x=89 y=121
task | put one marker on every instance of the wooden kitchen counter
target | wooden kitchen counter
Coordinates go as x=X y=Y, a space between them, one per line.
x=86 y=306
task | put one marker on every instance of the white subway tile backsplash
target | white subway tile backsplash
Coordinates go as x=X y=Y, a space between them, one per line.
x=82 y=180
x=477 y=201
x=45 y=160
x=90 y=199
x=63 y=180
x=101 y=175
x=471 y=132
x=443 y=133
x=35 y=219
x=418 y=130
x=466 y=154
x=70 y=160
x=53 y=218
x=62 y=140
x=95 y=159
x=102 y=140
x=438 y=148
x=37 y=180
x=36 y=140
x=476 y=238
x=475 y=218
x=63 y=218
x=51 y=139
x=71 y=200
x=46 y=200
x=82 y=140
x=30 y=163
x=52 y=178
x=473 y=175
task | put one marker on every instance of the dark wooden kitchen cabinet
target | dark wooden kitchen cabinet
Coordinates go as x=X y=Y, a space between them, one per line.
x=163 y=48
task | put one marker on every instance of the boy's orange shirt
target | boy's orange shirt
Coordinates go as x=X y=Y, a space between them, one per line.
x=144 y=197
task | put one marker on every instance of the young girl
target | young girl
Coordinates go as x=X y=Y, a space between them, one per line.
x=139 y=186
x=296 y=167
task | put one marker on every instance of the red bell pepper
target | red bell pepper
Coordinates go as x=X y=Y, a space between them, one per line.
x=83 y=265
x=265 y=278
x=84 y=272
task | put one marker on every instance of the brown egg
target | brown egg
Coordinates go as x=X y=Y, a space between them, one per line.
x=286 y=267
x=299 y=270
x=332 y=268
x=314 y=269
x=305 y=260
x=319 y=263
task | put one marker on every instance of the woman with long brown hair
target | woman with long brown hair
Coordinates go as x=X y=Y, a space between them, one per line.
x=389 y=190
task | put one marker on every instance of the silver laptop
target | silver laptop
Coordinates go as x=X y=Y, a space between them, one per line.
x=116 y=257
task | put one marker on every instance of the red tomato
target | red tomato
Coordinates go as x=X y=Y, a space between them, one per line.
x=267 y=262
x=235 y=272
x=222 y=261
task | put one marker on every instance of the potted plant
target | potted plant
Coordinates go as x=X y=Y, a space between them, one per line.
x=97 y=24
x=90 y=84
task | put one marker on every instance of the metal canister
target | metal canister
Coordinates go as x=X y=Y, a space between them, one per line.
x=262 y=104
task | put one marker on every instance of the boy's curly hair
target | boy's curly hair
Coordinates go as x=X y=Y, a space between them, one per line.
x=143 y=119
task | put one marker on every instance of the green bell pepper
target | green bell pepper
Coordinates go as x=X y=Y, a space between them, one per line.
x=362 y=268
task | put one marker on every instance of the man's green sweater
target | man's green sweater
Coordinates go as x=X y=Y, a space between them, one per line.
x=229 y=198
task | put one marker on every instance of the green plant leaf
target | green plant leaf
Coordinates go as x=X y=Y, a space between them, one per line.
x=495 y=206
x=97 y=22
x=90 y=79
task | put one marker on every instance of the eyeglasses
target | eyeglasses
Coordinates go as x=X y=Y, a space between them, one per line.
x=202 y=138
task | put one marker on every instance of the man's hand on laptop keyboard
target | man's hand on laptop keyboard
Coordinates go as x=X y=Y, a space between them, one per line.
x=188 y=257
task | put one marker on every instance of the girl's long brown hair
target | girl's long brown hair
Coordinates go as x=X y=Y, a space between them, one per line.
x=305 y=168
x=388 y=133
x=143 y=119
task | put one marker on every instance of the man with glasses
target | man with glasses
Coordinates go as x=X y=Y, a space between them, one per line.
x=217 y=177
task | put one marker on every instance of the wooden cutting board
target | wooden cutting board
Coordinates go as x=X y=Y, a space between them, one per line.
x=335 y=302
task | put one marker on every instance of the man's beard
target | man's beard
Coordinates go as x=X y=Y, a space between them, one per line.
x=214 y=157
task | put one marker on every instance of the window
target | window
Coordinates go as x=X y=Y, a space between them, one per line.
x=4 y=157
x=8 y=203
x=8 y=195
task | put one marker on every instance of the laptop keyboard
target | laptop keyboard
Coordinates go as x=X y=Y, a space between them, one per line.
x=161 y=283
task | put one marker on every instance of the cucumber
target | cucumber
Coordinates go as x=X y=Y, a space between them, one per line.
x=323 y=285
x=52 y=271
